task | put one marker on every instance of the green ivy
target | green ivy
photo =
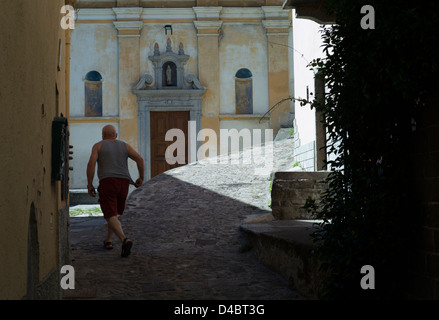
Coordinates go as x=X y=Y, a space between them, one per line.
x=377 y=80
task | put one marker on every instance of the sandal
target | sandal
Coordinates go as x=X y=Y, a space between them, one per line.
x=126 y=247
x=108 y=245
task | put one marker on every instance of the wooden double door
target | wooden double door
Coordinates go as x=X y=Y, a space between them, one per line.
x=160 y=123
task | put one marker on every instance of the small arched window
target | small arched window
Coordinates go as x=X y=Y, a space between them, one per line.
x=93 y=94
x=244 y=91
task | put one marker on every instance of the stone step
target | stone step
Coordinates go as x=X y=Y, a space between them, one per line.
x=287 y=248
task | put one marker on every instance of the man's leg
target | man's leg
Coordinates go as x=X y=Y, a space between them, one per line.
x=108 y=203
x=109 y=233
x=114 y=226
x=114 y=201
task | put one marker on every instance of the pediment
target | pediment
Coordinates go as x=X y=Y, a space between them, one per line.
x=169 y=74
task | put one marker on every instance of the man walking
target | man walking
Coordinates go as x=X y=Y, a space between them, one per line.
x=112 y=155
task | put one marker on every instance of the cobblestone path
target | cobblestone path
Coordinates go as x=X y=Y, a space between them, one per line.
x=187 y=244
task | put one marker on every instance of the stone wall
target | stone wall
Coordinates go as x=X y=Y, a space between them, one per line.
x=287 y=248
x=425 y=173
x=290 y=191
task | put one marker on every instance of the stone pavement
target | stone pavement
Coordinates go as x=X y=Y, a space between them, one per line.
x=187 y=243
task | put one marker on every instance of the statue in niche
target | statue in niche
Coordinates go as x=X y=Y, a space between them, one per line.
x=156 y=49
x=169 y=75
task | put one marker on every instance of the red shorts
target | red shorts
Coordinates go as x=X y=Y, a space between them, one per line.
x=113 y=193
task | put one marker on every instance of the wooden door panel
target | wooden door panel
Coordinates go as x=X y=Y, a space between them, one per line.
x=161 y=122
x=180 y=121
x=158 y=125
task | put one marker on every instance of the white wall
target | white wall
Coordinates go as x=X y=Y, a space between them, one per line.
x=307 y=46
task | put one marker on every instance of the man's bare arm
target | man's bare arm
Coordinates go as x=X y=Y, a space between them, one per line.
x=91 y=169
x=134 y=155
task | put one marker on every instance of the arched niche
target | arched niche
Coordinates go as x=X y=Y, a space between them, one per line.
x=169 y=74
x=93 y=94
x=243 y=91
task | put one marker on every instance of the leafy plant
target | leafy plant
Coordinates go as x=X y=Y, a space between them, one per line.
x=377 y=80
x=291 y=132
x=297 y=164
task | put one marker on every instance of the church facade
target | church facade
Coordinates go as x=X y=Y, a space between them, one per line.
x=147 y=67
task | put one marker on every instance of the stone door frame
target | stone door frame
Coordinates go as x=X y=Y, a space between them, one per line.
x=168 y=101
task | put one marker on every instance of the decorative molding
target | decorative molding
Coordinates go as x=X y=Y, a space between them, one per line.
x=169 y=96
x=253 y=116
x=270 y=24
x=128 y=28
x=209 y=27
x=145 y=81
x=187 y=84
x=242 y=13
x=128 y=25
x=187 y=14
x=207 y=13
x=192 y=82
x=167 y=14
x=95 y=14
x=277 y=27
x=159 y=59
x=275 y=12
x=128 y=13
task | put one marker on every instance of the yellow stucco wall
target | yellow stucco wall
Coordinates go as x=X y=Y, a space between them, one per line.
x=244 y=45
x=29 y=48
x=278 y=78
x=98 y=51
